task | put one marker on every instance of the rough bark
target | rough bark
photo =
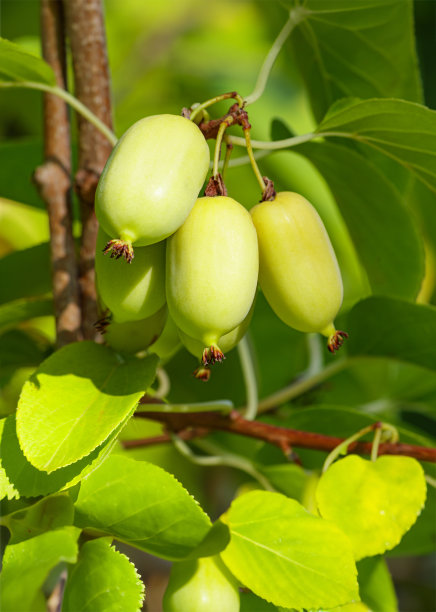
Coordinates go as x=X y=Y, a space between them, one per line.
x=85 y=28
x=54 y=182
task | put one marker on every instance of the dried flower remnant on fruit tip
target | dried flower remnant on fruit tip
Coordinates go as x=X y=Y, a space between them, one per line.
x=336 y=340
x=211 y=355
x=119 y=248
x=202 y=373
x=102 y=324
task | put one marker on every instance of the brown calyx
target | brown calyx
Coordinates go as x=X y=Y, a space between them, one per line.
x=269 y=193
x=336 y=340
x=119 y=248
x=215 y=187
x=211 y=355
x=102 y=324
x=202 y=373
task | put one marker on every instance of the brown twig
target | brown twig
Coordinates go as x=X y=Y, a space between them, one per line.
x=237 y=115
x=85 y=26
x=54 y=183
x=278 y=436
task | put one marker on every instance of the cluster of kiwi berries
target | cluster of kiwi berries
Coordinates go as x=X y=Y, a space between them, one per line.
x=172 y=266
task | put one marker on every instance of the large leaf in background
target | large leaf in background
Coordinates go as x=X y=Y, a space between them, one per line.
x=75 y=399
x=141 y=504
x=18 y=161
x=18 y=65
x=375 y=585
x=19 y=349
x=363 y=48
x=404 y=131
x=374 y=502
x=103 y=579
x=286 y=555
x=7 y=489
x=27 y=564
x=25 y=273
x=22 y=478
x=22 y=226
x=17 y=311
x=386 y=327
x=376 y=217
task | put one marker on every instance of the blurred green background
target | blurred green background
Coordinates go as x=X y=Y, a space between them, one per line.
x=165 y=55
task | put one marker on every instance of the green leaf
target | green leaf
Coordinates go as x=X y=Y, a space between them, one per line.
x=404 y=131
x=19 y=158
x=343 y=422
x=287 y=478
x=21 y=226
x=75 y=399
x=19 y=349
x=27 y=564
x=366 y=49
x=376 y=217
x=155 y=513
x=18 y=65
x=421 y=539
x=286 y=555
x=375 y=585
x=18 y=311
x=25 y=273
x=250 y=603
x=392 y=328
x=103 y=580
x=7 y=489
x=373 y=502
x=48 y=514
x=28 y=481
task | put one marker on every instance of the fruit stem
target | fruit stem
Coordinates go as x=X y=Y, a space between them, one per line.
x=295 y=16
x=376 y=442
x=226 y=96
x=250 y=380
x=430 y=480
x=229 y=149
x=72 y=101
x=341 y=449
x=216 y=158
x=227 y=459
x=253 y=161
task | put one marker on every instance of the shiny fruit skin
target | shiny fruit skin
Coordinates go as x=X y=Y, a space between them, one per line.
x=298 y=271
x=226 y=342
x=152 y=179
x=202 y=585
x=135 y=336
x=212 y=269
x=131 y=291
